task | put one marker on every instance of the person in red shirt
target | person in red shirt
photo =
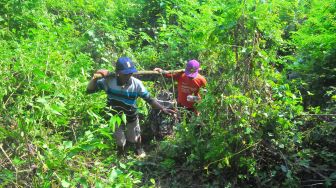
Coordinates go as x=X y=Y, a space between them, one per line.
x=189 y=84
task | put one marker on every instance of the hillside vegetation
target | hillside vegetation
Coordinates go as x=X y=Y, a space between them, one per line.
x=267 y=119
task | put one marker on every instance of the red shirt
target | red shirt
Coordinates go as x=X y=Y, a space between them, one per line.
x=187 y=86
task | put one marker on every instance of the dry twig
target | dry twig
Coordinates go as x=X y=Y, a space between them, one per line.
x=16 y=170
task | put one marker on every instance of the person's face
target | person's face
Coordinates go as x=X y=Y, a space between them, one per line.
x=124 y=77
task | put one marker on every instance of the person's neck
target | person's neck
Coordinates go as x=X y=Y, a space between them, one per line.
x=120 y=83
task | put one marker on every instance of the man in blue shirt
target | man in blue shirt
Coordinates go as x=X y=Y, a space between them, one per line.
x=122 y=92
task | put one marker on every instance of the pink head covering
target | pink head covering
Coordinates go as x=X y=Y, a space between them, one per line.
x=192 y=68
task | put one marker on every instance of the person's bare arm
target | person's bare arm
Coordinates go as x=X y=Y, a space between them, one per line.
x=157 y=105
x=92 y=86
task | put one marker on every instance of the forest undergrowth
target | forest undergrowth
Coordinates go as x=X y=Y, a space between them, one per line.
x=267 y=118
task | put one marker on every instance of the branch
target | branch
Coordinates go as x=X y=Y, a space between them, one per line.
x=318 y=115
x=207 y=166
x=16 y=170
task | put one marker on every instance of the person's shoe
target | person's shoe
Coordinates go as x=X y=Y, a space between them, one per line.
x=141 y=153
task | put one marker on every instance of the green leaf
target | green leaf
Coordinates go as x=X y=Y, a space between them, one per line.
x=7 y=174
x=284 y=168
x=73 y=152
x=67 y=144
x=333 y=176
x=281 y=146
x=152 y=181
x=88 y=147
x=304 y=163
x=310 y=93
x=220 y=165
x=17 y=161
x=226 y=161
x=112 y=123
x=122 y=165
x=289 y=174
x=248 y=130
x=65 y=183
x=118 y=120
x=123 y=117
x=333 y=98
x=41 y=100
x=83 y=182
x=93 y=114
x=38 y=73
x=99 y=185
x=56 y=109
x=113 y=175
x=106 y=133
x=91 y=33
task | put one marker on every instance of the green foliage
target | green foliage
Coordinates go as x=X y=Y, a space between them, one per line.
x=48 y=51
x=255 y=128
x=315 y=40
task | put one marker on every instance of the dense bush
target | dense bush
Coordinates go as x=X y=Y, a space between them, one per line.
x=256 y=128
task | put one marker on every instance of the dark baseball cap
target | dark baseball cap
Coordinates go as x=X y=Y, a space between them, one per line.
x=125 y=65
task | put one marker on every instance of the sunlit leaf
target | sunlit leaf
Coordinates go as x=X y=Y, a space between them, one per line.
x=67 y=144
x=123 y=117
x=65 y=183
